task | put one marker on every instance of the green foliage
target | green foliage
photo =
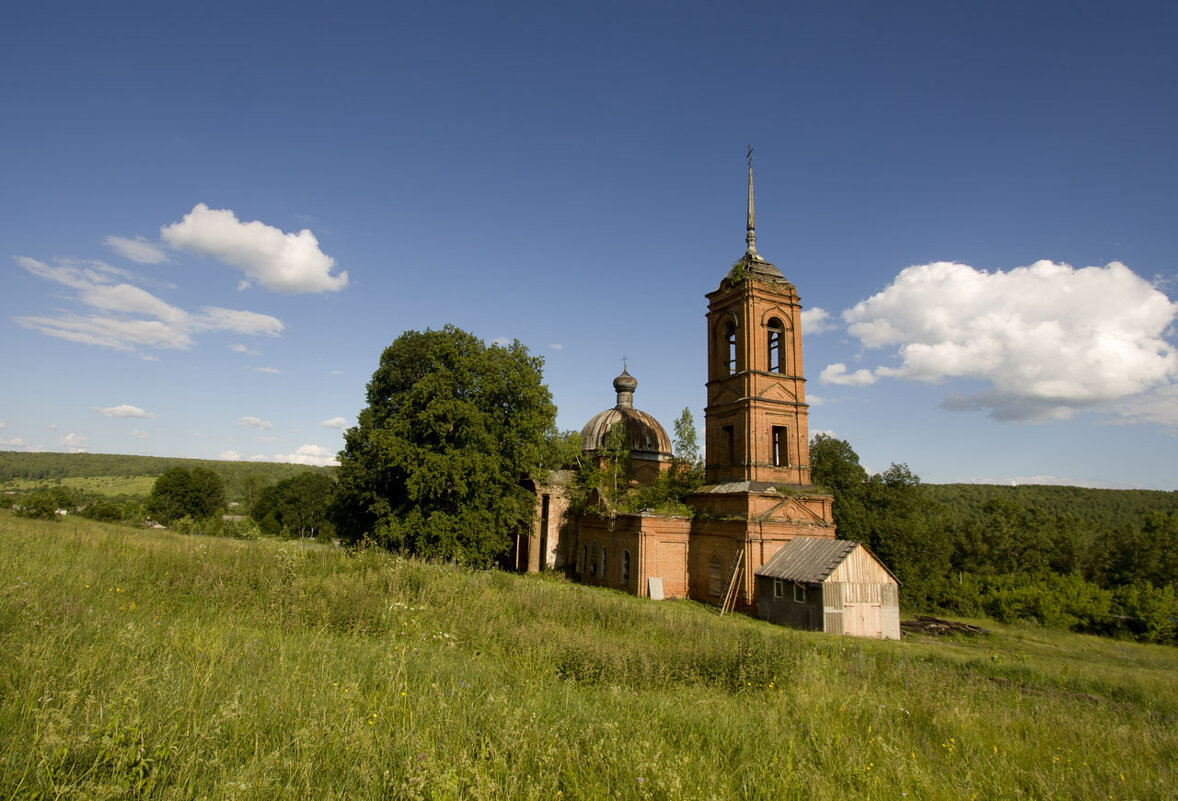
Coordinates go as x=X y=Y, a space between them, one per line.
x=617 y=464
x=436 y=464
x=1147 y=613
x=1133 y=554
x=153 y=666
x=1094 y=510
x=562 y=450
x=103 y=510
x=686 y=441
x=134 y=513
x=669 y=492
x=38 y=505
x=199 y=493
x=296 y=507
x=903 y=529
x=834 y=466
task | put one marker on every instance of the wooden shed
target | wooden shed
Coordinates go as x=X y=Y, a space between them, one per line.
x=836 y=586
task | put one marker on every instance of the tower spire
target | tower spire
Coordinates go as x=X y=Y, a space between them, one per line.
x=751 y=235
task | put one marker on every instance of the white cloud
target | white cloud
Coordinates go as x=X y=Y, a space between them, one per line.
x=213 y=318
x=73 y=443
x=1158 y=406
x=110 y=332
x=500 y=342
x=15 y=442
x=556 y=346
x=124 y=410
x=137 y=434
x=128 y=299
x=122 y=326
x=284 y=262
x=337 y=423
x=335 y=372
x=256 y=422
x=308 y=454
x=229 y=456
x=72 y=273
x=837 y=374
x=3 y=425
x=239 y=348
x=1047 y=339
x=138 y=249
x=815 y=400
x=268 y=370
x=816 y=321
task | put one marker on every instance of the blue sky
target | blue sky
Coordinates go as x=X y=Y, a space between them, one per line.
x=215 y=217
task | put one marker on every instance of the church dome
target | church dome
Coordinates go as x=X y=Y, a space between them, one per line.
x=647 y=438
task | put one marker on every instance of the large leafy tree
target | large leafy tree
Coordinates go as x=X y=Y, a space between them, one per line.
x=436 y=463
x=177 y=493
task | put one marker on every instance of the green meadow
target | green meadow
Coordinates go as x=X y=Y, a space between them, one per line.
x=107 y=486
x=146 y=664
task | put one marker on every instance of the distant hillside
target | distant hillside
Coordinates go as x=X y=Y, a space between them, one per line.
x=49 y=467
x=1099 y=509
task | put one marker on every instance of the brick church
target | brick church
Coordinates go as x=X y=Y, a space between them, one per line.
x=757 y=496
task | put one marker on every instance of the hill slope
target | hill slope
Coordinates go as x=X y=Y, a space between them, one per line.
x=151 y=664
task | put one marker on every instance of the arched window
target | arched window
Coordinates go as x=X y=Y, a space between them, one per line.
x=715 y=577
x=601 y=568
x=776 y=346
x=625 y=572
x=584 y=560
x=593 y=556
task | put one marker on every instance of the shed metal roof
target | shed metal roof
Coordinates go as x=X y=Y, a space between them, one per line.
x=807 y=559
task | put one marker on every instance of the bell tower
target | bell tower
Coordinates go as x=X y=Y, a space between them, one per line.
x=756 y=419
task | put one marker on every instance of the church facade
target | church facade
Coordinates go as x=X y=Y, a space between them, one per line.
x=757 y=496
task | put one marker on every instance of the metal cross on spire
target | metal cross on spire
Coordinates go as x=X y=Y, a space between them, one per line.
x=751 y=235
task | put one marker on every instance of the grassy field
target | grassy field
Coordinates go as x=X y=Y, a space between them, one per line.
x=138 y=664
x=110 y=486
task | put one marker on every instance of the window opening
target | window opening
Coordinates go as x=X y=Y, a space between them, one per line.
x=730 y=349
x=780 y=446
x=776 y=339
x=800 y=593
x=625 y=568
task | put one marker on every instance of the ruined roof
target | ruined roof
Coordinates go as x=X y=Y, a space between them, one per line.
x=647 y=438
x=807 y=560
x=753 y=266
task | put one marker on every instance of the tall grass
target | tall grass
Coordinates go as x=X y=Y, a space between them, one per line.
x=138 y=664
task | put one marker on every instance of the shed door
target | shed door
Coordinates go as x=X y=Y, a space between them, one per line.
x=862 y=620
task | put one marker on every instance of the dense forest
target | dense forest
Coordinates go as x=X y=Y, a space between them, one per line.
x=1099 y=509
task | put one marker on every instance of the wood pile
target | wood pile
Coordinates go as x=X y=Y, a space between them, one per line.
x=926 y=624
